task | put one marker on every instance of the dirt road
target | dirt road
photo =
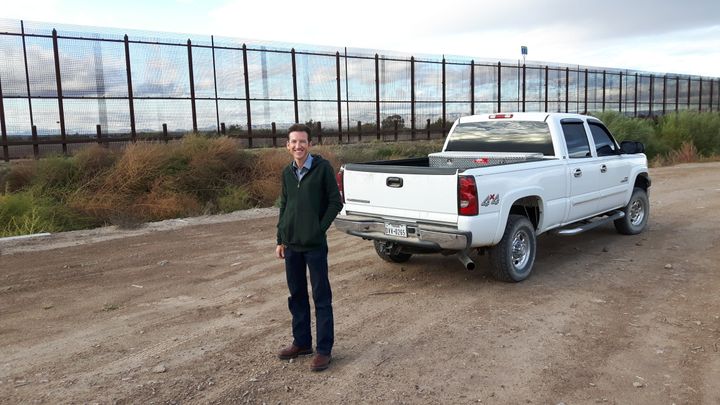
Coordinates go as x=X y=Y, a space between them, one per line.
x=193 y=311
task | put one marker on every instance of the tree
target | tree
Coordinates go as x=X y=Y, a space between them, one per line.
x=390 y=121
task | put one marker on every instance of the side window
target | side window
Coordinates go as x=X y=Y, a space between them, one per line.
x=604 y=142
x=576 y=140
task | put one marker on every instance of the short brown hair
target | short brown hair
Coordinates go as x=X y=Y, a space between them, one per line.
x=300 y=128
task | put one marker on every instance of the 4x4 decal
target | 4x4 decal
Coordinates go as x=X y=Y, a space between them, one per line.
x=493 y=199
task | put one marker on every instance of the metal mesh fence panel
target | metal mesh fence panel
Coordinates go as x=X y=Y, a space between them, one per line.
x=230 y=73
x=92 y=68
x=203 y=77
x=12 y=67
x=159 y=71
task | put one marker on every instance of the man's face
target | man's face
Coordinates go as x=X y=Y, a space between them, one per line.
x=298 y=145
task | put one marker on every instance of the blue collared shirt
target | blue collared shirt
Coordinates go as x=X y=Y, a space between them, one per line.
x=303 y=170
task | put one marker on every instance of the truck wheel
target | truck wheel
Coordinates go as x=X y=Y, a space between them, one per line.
x=392 y=254
x=512 y=259
x=636 y=216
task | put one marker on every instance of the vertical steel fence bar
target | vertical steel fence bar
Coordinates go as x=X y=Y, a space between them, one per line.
x=61 y=110
x=217 y=108
x=664 y=102
x=651 y=97
x=523 y=87
x=499 y=86
x=339 y=96
x=36 y=146
x=294 y=82
x=712 y=85
x=3 y=128
x=472 y=87
x=131 y=103
x=635 y=99
x=586 y=91
x=444 y=101
x=193 y=108
x=677 y=93
x=247 y=96
x=689 y=90
x=377 y=98
x=620 y=94
x=567 y=89
x=27 y=73
x=604 y=85
x=547 y=86
x=412 y=98
x=700 y=95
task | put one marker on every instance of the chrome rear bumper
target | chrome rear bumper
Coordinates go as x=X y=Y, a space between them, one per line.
x=426 y=236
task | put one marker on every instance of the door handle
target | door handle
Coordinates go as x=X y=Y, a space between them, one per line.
x=603 y=169
x=577 y=173
x=394 y=182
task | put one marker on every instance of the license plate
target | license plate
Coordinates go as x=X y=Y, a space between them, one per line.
x=396 y=230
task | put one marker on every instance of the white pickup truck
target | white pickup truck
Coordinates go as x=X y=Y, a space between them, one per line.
x=500 y=181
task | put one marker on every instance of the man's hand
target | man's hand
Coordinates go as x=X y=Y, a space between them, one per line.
x=280 y=251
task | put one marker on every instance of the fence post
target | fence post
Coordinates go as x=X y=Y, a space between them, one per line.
x=164 y=133
x=677 y=93
x=620 y=95
x=523 y=87
x=319 y=129
x=700 y=96
x=412 y=98
x=444 y=101
x=547 y=87
x=192 y=87
x=377 y=97
x=635 y=98
x=131 y=103
x=651 y=96
x=472 y=87
x=603 y=89
x=58 y=80
x=222 y=128
x=3 y=128
x=36 y=147
x=396 y=130
x=499 y=87
x=98 y=132
x=359 y=132
x=294 y=82
x=712 y=85
x=339 y=96
x=586 y=91
x=567 y=89
x=688 y=91
x=247 y=96
x=217 y=109
x=664 y=108
x=27 y=74
x=274 y=133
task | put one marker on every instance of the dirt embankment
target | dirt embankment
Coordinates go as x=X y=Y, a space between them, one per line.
x=193 y=311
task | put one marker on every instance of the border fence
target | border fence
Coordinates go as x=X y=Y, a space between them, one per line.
x=64 y=86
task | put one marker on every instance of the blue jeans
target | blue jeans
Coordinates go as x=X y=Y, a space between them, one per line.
x=299 y=303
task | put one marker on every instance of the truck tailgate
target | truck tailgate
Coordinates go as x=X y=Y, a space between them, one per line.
x=422 y=193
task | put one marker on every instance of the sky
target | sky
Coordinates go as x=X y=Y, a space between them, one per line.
x=664 y=36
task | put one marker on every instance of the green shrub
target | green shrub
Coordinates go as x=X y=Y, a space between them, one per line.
x=234 y=198
x=702 y=129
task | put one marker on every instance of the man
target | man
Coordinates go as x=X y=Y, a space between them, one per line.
x=309 y=202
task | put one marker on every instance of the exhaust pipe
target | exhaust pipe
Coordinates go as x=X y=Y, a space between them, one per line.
x=466 y=260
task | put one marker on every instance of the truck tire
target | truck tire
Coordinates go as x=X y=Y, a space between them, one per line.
x=512 y=259
x=637 y=212
x=393 y=256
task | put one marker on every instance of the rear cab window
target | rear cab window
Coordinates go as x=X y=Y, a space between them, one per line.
x=502 y=136
x=604 y=142
x=576 y=138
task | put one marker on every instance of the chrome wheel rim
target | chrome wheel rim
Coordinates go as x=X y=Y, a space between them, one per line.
x=637 y=212
x=520 y=250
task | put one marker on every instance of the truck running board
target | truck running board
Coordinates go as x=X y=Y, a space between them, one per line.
x=586 y=226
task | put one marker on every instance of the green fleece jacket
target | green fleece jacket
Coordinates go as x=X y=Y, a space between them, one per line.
x=308 y=207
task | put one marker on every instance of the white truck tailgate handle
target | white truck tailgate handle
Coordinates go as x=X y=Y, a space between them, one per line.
x=394 y=182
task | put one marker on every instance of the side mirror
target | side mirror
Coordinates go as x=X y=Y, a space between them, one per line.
x=632 y=147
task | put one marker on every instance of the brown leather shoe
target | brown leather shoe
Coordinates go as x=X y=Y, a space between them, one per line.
x=293 y=351
x=320 y=362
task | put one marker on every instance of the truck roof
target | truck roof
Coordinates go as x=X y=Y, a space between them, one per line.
x=518 y=116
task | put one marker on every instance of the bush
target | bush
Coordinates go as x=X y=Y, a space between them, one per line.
x=234 y=198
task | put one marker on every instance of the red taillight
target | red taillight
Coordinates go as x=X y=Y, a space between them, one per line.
x=467 y=196
x=498 y=116
x=341 y=185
